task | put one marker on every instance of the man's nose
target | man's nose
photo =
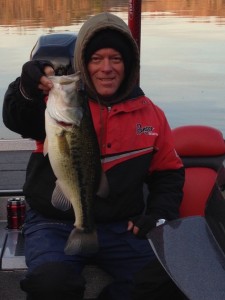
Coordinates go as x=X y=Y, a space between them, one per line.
x=107 y=65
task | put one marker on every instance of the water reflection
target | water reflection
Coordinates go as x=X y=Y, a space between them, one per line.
x=182 y=49
x=51 y=13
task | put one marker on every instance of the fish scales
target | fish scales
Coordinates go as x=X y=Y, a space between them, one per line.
x=86 y=160
x=74 y=154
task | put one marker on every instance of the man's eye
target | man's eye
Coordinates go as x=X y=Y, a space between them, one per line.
x=117 y=59
x=95 y=59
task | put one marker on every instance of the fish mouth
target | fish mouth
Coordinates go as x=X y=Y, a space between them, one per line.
x=64 y=124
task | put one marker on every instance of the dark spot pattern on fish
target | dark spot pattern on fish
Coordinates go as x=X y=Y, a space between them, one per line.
x=86 y=160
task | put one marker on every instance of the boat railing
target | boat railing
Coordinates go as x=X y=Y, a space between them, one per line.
x=10 y=193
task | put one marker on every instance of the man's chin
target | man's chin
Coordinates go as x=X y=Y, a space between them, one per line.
x=106 y=94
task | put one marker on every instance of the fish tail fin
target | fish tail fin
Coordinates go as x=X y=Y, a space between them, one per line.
x=81 y=242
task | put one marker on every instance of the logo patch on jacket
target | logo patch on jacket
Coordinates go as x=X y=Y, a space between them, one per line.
x=147 y=130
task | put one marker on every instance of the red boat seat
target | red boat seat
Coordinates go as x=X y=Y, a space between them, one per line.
x=202 y=150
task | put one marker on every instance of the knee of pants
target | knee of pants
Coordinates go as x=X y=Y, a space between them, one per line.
x=53 y=278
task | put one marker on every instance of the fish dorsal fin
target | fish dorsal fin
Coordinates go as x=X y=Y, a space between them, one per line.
x=59 y=200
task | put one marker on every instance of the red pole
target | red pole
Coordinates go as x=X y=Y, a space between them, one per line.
x=134 y=21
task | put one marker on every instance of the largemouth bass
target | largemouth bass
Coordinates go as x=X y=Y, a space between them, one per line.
x=74 y=155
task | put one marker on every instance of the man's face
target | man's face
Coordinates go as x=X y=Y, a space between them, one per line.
x=106 y=69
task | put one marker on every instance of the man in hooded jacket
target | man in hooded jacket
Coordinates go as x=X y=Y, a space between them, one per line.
x=136 y=148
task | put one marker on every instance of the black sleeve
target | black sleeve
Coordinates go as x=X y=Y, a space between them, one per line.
x=23 y=116
x=165 y=193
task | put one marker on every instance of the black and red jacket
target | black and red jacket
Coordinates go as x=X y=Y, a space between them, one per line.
x=136 y=147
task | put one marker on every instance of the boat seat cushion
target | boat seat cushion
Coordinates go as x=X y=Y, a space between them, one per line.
x=202 y=150
x=199 y=183
x=198 y=140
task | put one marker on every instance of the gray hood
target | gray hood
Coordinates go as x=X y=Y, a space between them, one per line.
x=86 y=33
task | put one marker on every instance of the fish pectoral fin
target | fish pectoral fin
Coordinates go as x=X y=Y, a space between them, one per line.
x=59 y=200
x=103 y=189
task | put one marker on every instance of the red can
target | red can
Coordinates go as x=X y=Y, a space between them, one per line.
x=16 y=210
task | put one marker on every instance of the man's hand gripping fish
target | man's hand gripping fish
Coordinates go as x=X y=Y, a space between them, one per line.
x=73 y=151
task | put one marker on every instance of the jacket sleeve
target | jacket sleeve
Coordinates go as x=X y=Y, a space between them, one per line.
x=166 y=176
x=166 y=193
x=25 y=117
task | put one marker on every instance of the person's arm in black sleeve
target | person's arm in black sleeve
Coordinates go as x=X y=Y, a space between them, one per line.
x=23 y=116
x=24 y=101
x=166 y=192
x=165 y=181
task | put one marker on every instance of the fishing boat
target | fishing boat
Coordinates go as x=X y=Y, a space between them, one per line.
x=193 y=244
x=191 y=248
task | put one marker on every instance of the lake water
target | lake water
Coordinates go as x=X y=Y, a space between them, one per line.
x=182 y=50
